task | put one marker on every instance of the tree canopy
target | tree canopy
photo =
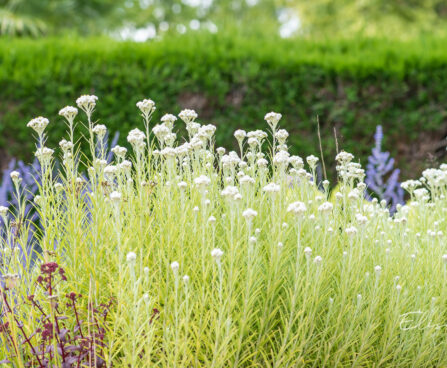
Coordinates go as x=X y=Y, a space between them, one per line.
x=316 y=18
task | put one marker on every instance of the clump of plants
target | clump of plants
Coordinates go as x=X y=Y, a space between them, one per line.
x=237 y=266
x=64 y=332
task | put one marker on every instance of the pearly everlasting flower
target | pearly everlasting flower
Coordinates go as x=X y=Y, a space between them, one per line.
x=44 y=154
x=168 y=152
x=220 y=151
x=15 y=176
x=351 y=231
x=175 y=266
x=253 y=142
x=161 y=131
x=136 y=137
x=119 y=151
x=362 y=220
x=146 y=106
x=230 y=192
x=260 y=135
x=168 y=120
x=182 y=185
x=444 y=258
x=318 y=260
x=272 y=119
x=185 y=279
x=410 y=185
x=271 y=188
x=296 y=162
x=249 y=214
x=217 y=254
x=110 y=171
x=281 y=135
x=87 y=103
x=344 y=157
x=69 y=113
x=312 y=161
x=240 y=135
x=193 y=128
x=325 y=207
x=262 y=162
x=308 y=252
x=354 y=194
x=115 y=197
x=187 y=115
x=38 y=124
x=100 y=130
x=3 y=211
x=421 y=195
x=297 y=208
x=202 y=182
x=131 y=258
x=281 y=158
x=378 y=270
x=211 y=220
x=245 y=180
x=65 y=145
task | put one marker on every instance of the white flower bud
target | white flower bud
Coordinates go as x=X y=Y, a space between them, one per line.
x=175 y=266
x=217 y=254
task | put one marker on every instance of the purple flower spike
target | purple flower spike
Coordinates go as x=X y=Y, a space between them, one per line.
x=381 y=177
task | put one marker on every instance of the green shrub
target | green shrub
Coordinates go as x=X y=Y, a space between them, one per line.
x=352 y=85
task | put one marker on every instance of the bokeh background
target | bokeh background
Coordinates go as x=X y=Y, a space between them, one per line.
x=353 y=64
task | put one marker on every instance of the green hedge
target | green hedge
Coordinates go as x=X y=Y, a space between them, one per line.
x=352 y=85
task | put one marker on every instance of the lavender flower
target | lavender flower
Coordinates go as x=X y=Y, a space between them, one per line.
x=381 y=177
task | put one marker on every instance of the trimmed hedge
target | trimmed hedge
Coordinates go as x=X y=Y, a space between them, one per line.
x=352 y=85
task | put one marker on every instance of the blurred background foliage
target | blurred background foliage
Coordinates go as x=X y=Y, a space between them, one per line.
x=352 y=85
x=354 y=63
x=150 y=18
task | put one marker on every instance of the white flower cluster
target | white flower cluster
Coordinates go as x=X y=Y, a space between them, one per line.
x=69 y=113
x=146 y=106
x=38 y=124
x=87 y=103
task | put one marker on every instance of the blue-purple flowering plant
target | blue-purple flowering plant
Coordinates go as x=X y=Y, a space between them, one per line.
x=382 y=178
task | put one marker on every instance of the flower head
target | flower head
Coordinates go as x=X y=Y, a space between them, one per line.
x=115 y=197
x=131 y=258
x=271 y=188
x=87 y=103
x=272 y=119
x=202 y=182
x=100 y=130
x=217 y=254
x=249 y=214
x=188 y=115
x=15 y=176
x=146 y=106
x=325 y=207
x=119 y=151
x=38 y=124
x=69 y=113
x=297 y=208
x=175 y=266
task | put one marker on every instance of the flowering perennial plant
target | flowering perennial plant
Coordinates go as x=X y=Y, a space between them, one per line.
x=236 y=266
x=58 y=339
